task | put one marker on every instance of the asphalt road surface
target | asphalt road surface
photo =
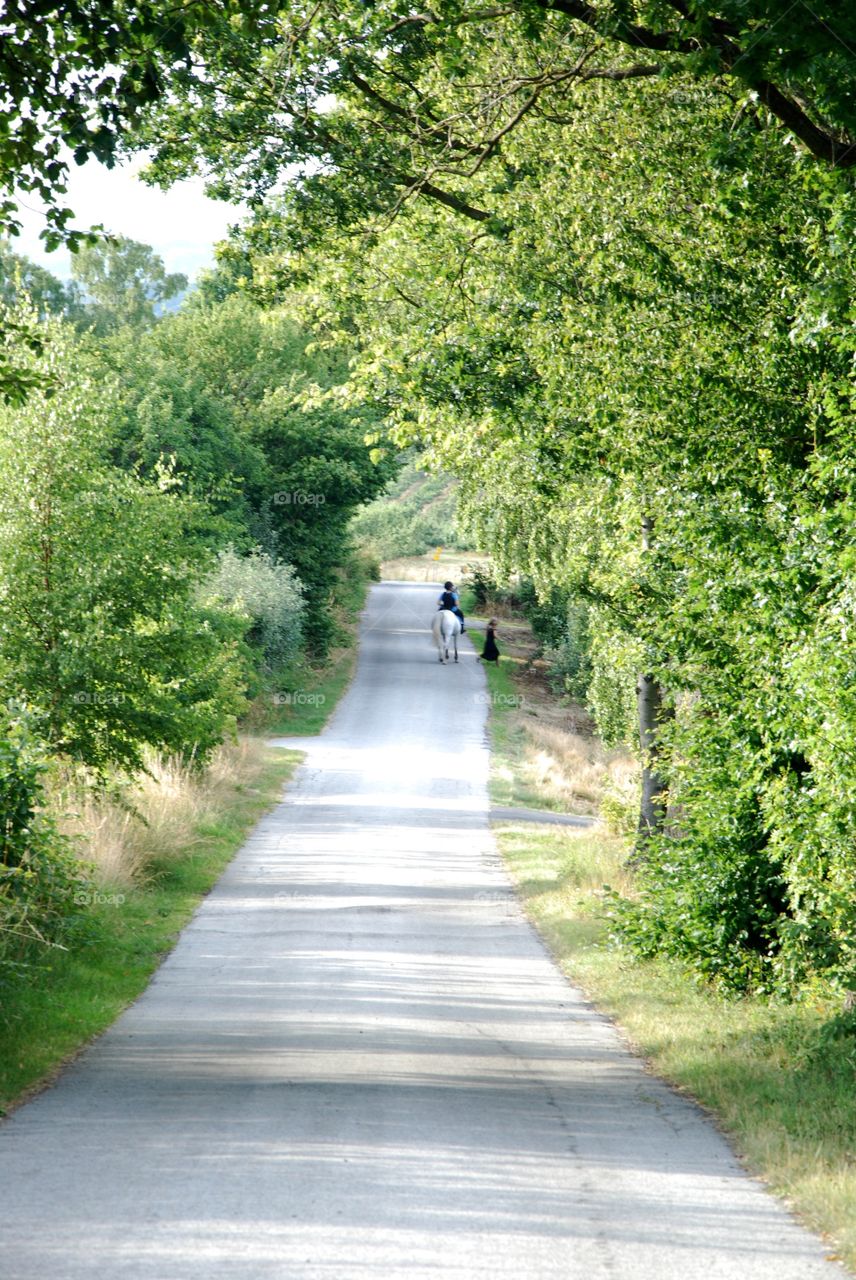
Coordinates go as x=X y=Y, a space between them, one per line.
x=359 y=1063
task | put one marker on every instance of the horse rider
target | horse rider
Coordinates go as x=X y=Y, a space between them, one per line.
x=448 y=599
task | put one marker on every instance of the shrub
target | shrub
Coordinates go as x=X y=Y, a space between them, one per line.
x=41 y=881
x=569 y=663
x=611 y=687
x=269 y=594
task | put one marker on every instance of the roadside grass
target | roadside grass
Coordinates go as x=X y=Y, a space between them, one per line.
x=70 y=996
x=778 y=1082
x=543 y=757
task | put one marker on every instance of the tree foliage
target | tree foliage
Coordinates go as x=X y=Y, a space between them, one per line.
x=76 y=76
x=22 y=279
x=100 y=631
x=376 y=103
x=123 y=282
x=267 y=593
x=247 y=410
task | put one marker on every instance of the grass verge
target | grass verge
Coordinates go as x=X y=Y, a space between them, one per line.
x=543 y=756
x=314 y=689
x=73 y=995
x=779 y=1084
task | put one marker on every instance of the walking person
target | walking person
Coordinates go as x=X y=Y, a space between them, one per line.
x=490 y=652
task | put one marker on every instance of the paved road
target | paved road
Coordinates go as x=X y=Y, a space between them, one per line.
x=359 y=1063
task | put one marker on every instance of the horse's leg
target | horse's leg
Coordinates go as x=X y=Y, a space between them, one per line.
x=456 y=646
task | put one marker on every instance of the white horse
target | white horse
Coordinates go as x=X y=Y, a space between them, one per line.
x=446 y=627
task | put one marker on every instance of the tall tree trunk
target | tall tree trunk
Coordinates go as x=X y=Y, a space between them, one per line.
x=652 y=810
x=652 y=712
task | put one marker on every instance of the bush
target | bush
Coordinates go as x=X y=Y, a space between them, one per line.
x=569 y=663
x=269 y=594
x=611 y=688
x=41 y=882
x=619 y=807
x=487 y=591
x=711 y=889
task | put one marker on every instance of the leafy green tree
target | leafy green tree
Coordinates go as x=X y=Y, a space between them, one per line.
x=76 y=76
x=248 y=412
x=124 y=283
x=384 y=102
x=100 y=632
x=174 y=405
x=20 y=278
x=649 y=341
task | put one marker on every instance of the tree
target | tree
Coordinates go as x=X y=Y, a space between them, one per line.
x=124 y=283
x=652 y=337
x=101 y=634
x=381 y=103
x=249 y=415
x=75 y=77
x=20 y=278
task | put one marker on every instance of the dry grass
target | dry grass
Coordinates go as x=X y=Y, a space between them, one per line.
x=548 y=755
x=572 y=771
x=430 y=568
x=158 y=815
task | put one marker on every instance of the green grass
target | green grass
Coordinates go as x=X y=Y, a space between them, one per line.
x=79 y=992
x=507 y=784
x=317 y=690
x=779 y=1084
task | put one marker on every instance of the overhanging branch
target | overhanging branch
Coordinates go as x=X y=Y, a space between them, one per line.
x=822 y=141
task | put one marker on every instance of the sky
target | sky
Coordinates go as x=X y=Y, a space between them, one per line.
x=181 y=224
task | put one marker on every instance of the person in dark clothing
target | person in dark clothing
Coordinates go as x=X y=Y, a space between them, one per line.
x=448 y=599
x=490 y=652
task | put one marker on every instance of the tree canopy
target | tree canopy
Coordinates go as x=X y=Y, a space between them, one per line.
x=374 y=103
x=123 y=283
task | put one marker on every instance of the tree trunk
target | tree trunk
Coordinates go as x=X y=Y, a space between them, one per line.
x=652 y=810
x=649 y=700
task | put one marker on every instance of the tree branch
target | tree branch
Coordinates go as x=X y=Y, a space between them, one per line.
x=619 y=29
x=421 y=186
x=821 y=141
